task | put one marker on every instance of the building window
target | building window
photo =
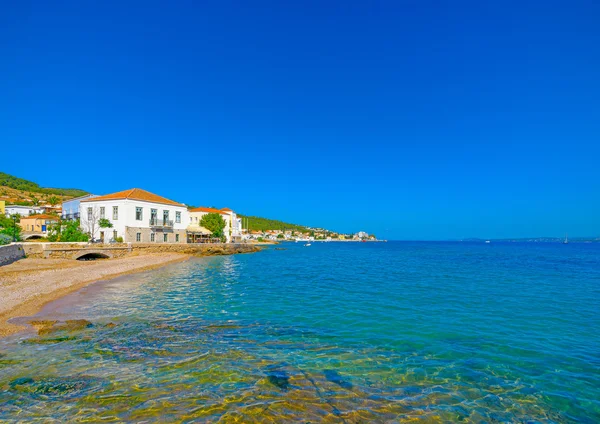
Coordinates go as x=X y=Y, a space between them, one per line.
x=177 y=238
x=151 y=236
x=178 y=217
x=165 y=217
x=115 y=235
x=115 y=212
x=138 y=237
x=165 y=237
x=138 y=214
x=90 y=214
x=153 y=213
x=102 y=212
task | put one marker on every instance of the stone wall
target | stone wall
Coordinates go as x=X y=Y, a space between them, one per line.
x=199 y=249
x=11 y=253
x=118 y=250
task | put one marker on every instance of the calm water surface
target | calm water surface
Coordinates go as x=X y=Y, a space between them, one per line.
x=335 y=332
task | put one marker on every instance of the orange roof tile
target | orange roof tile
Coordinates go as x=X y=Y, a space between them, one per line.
x=40 y=216
x=134 y=194
x=226 y=210
x=209 y=210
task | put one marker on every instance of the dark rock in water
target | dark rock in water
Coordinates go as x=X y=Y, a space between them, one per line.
x=279 y=379
x=21 y=381
x=281 y=248
x=48 y=326
x=75 y=324
x=110 y=325
x=52 y=386
x=336 y=378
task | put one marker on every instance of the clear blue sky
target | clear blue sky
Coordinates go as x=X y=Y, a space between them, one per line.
x=409 y=119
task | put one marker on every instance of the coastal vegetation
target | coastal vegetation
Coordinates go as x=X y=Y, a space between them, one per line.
x=66 y=231
x=9 y=226
x=256 y=223
x=214 y=223
x=11 y=181
x=4 y=239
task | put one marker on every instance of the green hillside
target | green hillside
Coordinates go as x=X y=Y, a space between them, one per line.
x=7 y=180
x=256 y=223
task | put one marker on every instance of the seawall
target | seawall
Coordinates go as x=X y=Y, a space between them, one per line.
x=77 y=250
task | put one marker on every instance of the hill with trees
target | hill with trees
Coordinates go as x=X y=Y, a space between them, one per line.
x=21 y=184
x=256 y=223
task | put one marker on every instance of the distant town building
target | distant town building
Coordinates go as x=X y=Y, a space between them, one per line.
x=70 y=208
x=136 y=215
x=38 y=223
x=22 y=210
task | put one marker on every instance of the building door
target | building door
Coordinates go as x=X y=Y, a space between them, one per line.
x=43 y=228
x=153 y=216
x=102 y=236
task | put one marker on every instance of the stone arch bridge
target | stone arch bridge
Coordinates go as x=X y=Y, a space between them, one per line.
x=81 y=251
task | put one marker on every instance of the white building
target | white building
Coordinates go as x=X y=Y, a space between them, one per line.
x=233 y=225
x=136 y=215
x=70 y=208
x=23 y=210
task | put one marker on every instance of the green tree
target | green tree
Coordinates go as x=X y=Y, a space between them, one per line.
x=10 y=226
x=280 y=236
x=104 y=223
x=54 y=200
x=67 y=231
x=214 y=223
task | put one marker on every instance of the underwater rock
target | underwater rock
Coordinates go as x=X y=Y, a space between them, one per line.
x=335 y=377
x=42 y=326
x=279 y=379
x=49 y=386
x=110 y=325
x=50 y=326
x=74 y=325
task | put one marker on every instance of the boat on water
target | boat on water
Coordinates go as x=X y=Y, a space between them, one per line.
x=307 y=244
x=566 y=240
x=487 y=241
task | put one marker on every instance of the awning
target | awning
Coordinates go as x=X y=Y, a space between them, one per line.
x=197 y=229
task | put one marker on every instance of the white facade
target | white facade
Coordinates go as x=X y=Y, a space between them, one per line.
x=22 y=210
x=136 y=221
x=233 y=225
x=233 y=229
x=70 y=208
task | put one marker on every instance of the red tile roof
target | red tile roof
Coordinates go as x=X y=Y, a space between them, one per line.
x=208 y=210
x=134 y=194
x=41 y=216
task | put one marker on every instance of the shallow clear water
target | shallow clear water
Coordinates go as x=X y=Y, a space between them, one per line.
x=337 y=332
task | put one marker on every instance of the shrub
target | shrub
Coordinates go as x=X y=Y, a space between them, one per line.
x=119 y=239
x=4 y=239
x=104 y=223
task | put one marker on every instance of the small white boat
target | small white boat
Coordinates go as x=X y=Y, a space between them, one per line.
x=307 y=244
x=487 y=241
x=566 y=240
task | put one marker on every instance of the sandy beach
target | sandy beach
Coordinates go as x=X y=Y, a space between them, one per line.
x=28 y=284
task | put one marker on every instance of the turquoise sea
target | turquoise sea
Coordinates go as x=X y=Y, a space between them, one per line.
x=334 y=332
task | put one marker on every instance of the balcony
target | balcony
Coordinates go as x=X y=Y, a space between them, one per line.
x=160 y=223
x=70 y=216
